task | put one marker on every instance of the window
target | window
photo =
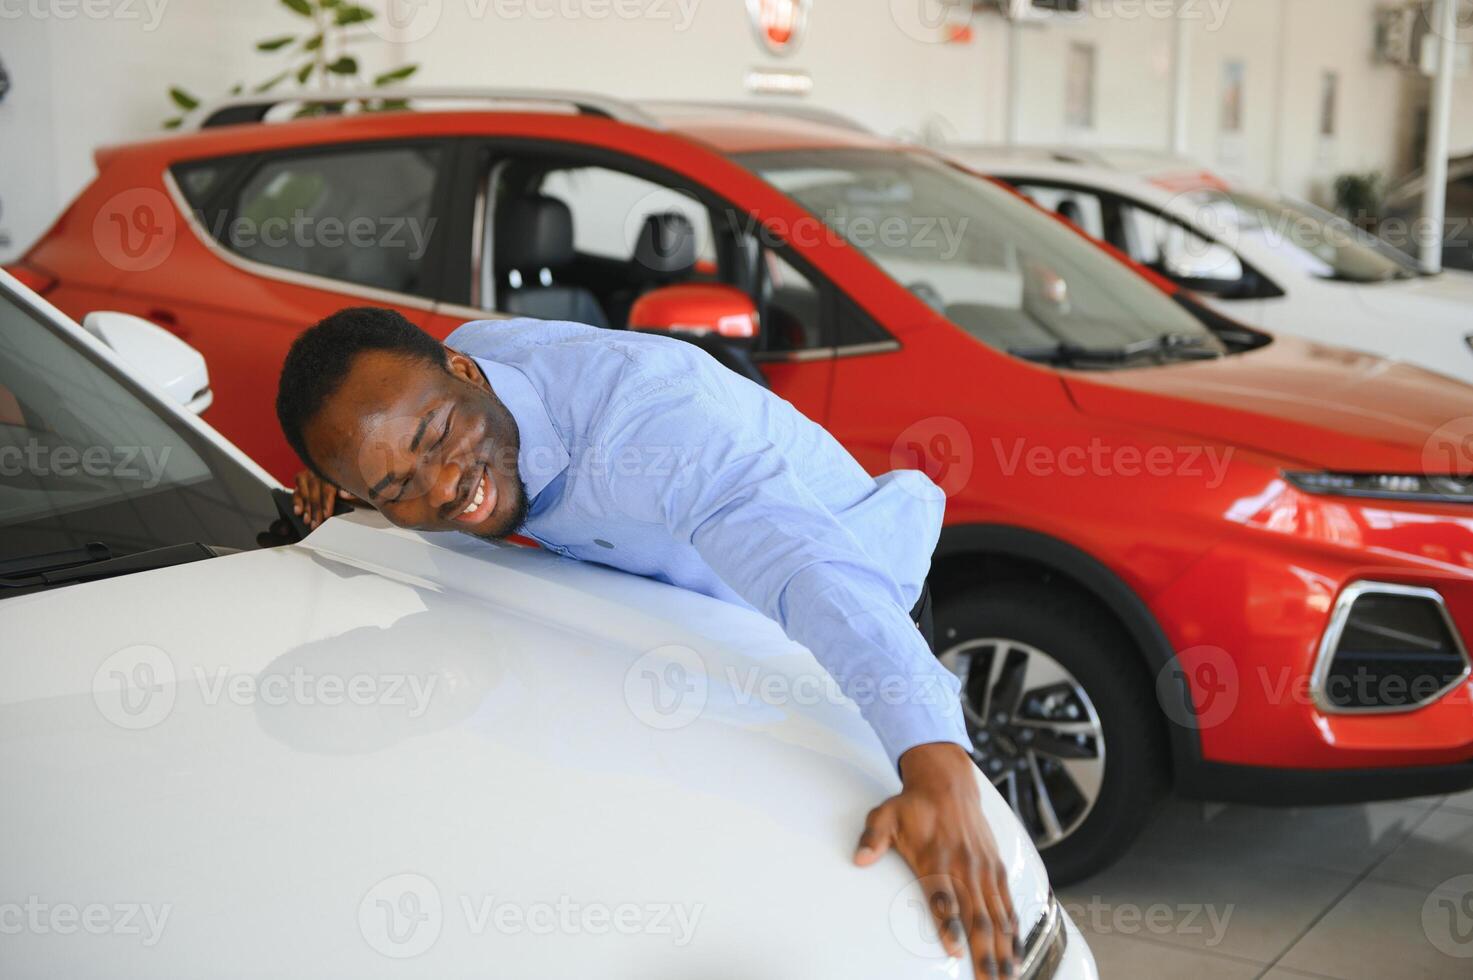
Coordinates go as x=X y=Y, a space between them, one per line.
x=791 y=310
x=84 y=458
x=1079 y=207
x=358 y=216
x=567 y=239
x=610 y=208
x=990 y=263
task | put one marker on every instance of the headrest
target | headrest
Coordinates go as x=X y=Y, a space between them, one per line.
x=1070 y=211
x=533 y=233
x=666 y=245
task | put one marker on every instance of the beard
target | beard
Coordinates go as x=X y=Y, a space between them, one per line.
x=514 y=521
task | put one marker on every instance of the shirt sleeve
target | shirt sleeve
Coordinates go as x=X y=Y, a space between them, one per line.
x=733 y=496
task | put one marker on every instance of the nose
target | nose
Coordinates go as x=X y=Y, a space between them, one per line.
x=445 y=484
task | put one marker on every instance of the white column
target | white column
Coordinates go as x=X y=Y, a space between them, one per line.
x=1015 y=81
x=1181 y=82
x=1439 y=128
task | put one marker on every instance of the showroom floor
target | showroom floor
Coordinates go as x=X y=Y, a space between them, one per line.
x=1221 y=893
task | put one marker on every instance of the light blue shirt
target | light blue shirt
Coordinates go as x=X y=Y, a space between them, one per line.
x=643 y=453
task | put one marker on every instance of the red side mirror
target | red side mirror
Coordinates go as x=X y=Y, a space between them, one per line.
x=699 y=309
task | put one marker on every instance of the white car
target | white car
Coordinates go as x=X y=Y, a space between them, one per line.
x=373 y=752
x=1260 y=258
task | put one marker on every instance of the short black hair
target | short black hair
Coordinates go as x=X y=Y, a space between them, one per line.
x=319 y=360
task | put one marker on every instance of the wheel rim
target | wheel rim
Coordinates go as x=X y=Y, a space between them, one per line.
x=1035 y=733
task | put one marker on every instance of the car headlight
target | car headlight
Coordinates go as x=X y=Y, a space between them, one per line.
x=1386 y=486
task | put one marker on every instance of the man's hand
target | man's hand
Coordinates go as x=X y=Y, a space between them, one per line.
x=936 y=824
x=314 y=498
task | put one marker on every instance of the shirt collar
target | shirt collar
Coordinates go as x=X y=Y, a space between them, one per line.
x=542 y=455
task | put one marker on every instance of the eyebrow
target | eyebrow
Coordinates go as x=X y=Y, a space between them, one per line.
x=389 y=478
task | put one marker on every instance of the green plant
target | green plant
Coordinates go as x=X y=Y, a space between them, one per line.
x=1358 y=197
x=320 y=53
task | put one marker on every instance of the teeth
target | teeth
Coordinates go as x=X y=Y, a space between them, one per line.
x=478 y=499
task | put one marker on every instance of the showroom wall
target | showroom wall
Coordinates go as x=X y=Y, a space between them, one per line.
x=100 y=69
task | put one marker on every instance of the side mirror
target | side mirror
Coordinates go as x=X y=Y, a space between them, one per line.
x=697 y=309
x=156 y=356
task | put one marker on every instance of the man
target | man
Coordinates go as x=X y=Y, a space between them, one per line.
x=642 y=453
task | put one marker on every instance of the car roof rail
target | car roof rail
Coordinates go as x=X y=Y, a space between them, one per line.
x=806 y=113
x=255 y=108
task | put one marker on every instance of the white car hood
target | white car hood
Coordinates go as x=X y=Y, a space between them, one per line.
x=216 y=746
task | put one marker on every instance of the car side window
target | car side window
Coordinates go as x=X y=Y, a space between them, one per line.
x=1176 y=251
x=566 y=238
x=361 y=216
x=1079 y=207
x=791 y=307
x=610 y=208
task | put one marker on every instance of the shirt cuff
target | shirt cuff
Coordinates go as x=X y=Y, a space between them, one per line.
x=931 y=712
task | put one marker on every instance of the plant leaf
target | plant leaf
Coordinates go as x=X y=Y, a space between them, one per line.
x=313 y=43
x=298 y=7
x=174 y=123
x=275 y=43
x=329 y=4
x=304 y=73
x=183 y=99
x=272 y=82
x=237 y=88
x=352 y=14
x=346 y=65
x=397 y=75
x=388 y=105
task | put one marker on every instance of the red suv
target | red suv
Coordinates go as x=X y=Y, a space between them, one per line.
x=1178 y=552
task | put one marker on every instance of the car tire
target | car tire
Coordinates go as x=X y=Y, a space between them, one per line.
x=1084 y=718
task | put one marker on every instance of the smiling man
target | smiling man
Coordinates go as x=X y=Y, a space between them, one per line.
x=641 y=452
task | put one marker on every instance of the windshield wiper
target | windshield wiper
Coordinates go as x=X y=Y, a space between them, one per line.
x=16 y=574
x=47 y=561
x=1181 y=345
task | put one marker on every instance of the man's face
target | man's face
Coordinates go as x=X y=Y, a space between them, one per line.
x=430 y=447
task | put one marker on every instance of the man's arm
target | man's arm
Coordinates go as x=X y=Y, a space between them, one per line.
x=732 y=495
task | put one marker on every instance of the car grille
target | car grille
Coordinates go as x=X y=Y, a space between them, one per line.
x=1387 y=648
x=1043 y=950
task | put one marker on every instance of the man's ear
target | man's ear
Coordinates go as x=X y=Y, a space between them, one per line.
x=462 y=367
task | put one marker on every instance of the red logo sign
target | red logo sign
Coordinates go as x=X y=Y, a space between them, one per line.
x=779 y=23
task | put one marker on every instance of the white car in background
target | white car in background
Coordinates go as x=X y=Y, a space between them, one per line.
x=1258 y=257
x=373 y=752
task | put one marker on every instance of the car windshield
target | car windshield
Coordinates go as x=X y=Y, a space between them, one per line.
x=1324 y=245
x=989 y=261
x=85 y=457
